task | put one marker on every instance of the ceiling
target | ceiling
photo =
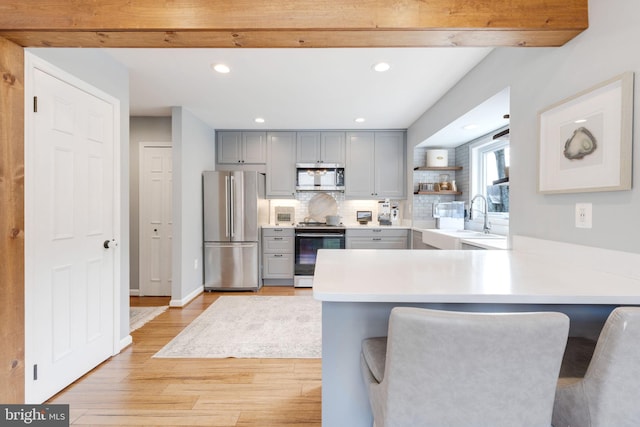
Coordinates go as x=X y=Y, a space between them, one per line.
x=295 y=88
x=479 y=121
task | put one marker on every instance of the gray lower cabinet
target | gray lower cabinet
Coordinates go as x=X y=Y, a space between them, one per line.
x=377 y=238
x=467 y=246
x=277 y=253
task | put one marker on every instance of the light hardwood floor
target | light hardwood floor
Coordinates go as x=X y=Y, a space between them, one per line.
x=133 y=389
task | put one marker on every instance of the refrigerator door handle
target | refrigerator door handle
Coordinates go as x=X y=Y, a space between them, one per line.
x=233 y=204
x=226 y=206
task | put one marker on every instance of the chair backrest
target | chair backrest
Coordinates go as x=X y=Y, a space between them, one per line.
x=472 y=369
x=612 y=382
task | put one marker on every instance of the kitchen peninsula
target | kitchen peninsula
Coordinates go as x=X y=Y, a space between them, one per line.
x=358 y=289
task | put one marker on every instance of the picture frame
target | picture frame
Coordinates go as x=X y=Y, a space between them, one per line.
x=364 y=217
x=585 y=141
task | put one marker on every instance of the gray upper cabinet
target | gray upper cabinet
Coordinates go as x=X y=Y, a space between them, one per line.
x=321 y=147
x=281 y=164
x=236 y=147
x=359 y=170
x=390 y=164
x=375 y=165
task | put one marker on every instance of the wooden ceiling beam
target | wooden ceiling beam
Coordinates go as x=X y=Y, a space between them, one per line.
x=289 y=23
x=289 y=39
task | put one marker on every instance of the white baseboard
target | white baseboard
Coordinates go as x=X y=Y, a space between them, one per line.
x=126 y=342
x=134 y=292
x=186 y=300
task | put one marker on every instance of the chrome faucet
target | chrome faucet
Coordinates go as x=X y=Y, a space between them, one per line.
x=485 y=227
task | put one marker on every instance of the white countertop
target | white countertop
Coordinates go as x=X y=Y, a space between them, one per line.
x=454 y=276
x=356 y=225
x=453 y=239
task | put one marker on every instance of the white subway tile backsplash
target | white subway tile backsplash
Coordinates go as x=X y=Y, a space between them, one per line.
x=346 y=208
x=417 y=208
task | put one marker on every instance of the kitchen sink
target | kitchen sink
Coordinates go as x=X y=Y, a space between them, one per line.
x=471 y=234
x=451 y=239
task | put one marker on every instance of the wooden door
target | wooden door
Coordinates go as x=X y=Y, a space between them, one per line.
x=156 y=221
x=71 y=281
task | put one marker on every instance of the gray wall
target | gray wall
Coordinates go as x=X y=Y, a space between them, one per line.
x=155 y=130
x=101 y=71
x=539 y=77
x=193 y=153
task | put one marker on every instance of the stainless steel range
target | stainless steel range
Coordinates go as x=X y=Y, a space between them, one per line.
x=309 y=238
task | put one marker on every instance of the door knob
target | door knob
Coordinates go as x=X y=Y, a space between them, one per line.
x=108 y=244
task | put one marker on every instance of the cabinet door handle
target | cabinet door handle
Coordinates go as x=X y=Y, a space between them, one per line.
x=277 y=238
x=377 y=230
x=377 y=239
x=278 y=255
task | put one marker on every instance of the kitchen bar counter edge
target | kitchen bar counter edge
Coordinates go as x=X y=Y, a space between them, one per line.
x=359 y=288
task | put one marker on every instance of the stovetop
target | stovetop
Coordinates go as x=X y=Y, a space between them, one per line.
x=319 y=225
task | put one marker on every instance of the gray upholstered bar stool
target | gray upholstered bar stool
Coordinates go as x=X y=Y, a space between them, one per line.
x=453 y=369
x=609 y=393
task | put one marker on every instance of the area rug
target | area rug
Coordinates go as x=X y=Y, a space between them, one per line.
x=138 y=316
x=252 y=327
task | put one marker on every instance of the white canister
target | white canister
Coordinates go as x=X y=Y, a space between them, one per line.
x=437 y=158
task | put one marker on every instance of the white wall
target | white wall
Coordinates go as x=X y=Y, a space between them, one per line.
x=539 y=77
x=193 y=153
x=101 y=71
x=143 y=130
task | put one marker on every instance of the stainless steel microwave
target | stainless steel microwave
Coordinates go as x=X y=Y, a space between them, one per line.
x=319 y=177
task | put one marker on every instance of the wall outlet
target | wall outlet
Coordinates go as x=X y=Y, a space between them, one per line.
x=584 y=217
x=195 y=264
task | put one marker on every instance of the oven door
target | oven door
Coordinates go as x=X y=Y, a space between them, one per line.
x=306 y=249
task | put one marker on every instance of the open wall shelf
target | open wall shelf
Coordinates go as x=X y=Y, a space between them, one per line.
x=439 y=193
x=438 y=168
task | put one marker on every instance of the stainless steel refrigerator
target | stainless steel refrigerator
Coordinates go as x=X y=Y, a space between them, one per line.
x=234 y=209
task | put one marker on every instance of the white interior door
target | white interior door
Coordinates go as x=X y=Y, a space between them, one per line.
x=155 y=221
x=71 y=285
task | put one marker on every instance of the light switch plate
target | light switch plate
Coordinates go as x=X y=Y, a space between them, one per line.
x=584 y=218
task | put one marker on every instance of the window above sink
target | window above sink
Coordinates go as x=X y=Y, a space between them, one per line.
x=489 y=163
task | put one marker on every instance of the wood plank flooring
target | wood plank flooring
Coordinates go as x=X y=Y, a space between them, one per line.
x=133 y=389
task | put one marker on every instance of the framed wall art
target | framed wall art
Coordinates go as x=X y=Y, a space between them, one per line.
x=585 y=141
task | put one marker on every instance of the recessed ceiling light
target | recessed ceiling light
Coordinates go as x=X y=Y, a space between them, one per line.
x=580 y=121
x=381 y=67
x=258 y=120
x=470 y=126
x=221 y=68
x=360 y=120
